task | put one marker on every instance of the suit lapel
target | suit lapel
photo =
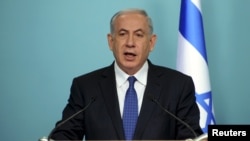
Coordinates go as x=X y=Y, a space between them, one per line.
x=109 y=93
x=152 y=90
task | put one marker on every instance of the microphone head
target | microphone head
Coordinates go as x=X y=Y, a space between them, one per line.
x=151 y=97
x=93 y=98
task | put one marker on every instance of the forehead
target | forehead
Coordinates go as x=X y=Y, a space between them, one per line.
x=131 y=21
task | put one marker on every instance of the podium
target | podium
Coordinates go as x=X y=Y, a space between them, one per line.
x=203 y=137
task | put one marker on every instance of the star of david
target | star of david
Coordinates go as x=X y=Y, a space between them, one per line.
x=201 y=99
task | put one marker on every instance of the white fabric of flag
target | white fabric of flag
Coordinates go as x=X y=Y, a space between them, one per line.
x=192 y=58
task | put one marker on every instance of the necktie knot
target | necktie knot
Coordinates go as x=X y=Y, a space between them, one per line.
x=131 y=81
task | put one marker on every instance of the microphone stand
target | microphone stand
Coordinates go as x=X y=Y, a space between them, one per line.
x=66 y=120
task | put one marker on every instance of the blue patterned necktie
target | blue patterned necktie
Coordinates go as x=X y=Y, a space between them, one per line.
x=130 y=112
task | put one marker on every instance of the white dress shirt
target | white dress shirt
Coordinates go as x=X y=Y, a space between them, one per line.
x=122 y=84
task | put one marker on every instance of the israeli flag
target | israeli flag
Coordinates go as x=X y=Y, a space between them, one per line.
x=192 y=58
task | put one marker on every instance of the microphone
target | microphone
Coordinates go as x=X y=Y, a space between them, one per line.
x=69 y=118
x=175 y=117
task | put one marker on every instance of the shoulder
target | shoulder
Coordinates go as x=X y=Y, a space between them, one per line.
x=163 y=71
x=97 y=74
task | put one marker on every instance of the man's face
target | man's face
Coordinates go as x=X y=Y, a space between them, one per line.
x=131 y=41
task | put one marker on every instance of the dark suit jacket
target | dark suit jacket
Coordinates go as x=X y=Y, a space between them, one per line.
x=102 y=119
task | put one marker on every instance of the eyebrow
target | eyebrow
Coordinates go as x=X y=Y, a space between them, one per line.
x=138 y=30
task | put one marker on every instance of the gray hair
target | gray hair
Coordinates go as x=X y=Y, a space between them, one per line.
x=139 y=11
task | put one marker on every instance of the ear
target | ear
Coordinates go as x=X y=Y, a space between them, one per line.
x=110 y=41
x=152 y=41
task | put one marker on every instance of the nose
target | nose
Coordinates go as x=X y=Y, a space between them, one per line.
x=130 y=41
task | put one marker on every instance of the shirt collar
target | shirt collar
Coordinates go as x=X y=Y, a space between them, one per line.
x=141 y=75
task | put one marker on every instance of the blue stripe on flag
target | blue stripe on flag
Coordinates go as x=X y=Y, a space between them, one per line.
x=192 y=28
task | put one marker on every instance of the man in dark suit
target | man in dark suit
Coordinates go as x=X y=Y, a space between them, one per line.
x=131 y=40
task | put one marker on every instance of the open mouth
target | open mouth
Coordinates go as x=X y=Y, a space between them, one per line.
x=129 y=54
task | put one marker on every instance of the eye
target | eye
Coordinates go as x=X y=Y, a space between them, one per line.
x=139 y=34
x=121 y=33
